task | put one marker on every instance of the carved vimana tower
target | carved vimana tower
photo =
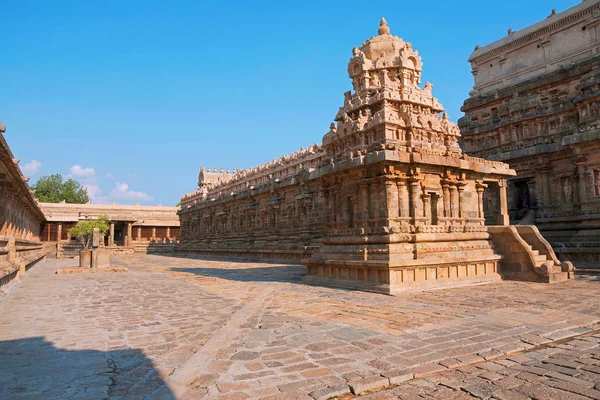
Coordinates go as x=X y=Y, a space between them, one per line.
x=387 y=203
x=404 y=206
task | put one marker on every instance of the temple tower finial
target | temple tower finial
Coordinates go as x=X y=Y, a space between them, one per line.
x=384 y=29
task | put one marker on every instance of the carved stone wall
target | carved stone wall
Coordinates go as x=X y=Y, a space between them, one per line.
x=20 y=219
x=387 y=203
x=543 y=118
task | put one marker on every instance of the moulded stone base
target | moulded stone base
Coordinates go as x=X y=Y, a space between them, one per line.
x=394 y=280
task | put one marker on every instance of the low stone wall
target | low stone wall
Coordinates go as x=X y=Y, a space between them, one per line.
x=20 y=219
x=16 y=257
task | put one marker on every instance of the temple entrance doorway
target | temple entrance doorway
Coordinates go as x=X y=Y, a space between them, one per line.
x=120 y=233
x=521 y=200
x=491 y=203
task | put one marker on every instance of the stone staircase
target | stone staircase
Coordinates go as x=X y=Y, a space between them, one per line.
x=527 y=256
x=71 y=248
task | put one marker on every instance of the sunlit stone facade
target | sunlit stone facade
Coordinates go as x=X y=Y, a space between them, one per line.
x=536 y=105
x=20 y=219
x=388 y=202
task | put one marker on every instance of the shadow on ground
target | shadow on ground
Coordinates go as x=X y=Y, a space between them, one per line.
x=46 y=372
x=270 y=271
x=281 y=273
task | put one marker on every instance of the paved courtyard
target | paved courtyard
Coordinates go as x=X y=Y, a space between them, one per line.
x=192 y=328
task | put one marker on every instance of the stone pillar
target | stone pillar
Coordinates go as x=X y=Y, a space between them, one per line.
x=453 y=201
x=480 y=189
x=59 y=233
x=153 y=233
x=391 y=199
x=545 y=182
x=374 y=203
x=446 y=194
x=532 y=185
x=111 y=238
x=582 y=191
x=403 y=199
x=168 y=232
x=416 y=205
x=462 y=213
x=364 y=201
x=426 y=198
x=139 y=233
x=129 y=233
x=503 y=204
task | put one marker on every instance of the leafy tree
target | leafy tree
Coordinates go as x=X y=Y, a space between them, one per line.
x=85 y=229
x=52 y=189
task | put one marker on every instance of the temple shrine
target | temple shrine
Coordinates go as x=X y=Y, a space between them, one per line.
x=388 y=202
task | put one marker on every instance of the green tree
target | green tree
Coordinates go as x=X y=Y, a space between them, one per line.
x=52 y=189
x=85 y=229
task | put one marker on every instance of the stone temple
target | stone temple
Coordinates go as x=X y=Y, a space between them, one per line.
x=536 y=105
x=388 y=202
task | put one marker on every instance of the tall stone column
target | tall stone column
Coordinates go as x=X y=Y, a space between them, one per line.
x=453 y=201
x=462 y=213
x=503 y=204
x=374 y=203
x=168 y=232
x=416 y=205
x=545 y=182
x=364 y=201
x=391 y=198
x=532 y=186
x=153 y=233
x=403 y=199
x=426 y=198
x=111 y=238
x=129 y=233
x=59 y=233
x=446 y=194
x=480 y=189
x=582 y=190
x=139 y=234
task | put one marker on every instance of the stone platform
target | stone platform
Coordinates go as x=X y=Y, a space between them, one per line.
x=192 y=328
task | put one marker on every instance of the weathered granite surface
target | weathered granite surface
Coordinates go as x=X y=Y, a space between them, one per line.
x=388 y=202
x=20 y=219
x=536 y=105
x=194 y=328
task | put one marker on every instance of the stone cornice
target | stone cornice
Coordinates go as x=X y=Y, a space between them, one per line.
x=518 y=39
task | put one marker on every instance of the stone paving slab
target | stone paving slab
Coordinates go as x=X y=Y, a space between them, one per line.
x=142 y=334
x=568 y=370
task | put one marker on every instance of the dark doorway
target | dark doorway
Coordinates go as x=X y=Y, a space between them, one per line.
x=120 y=233
x=350 y=212
x=491 y=203
x=434 y=208
x=522 y=200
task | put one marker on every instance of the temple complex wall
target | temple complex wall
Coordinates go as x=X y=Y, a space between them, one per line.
x=536 y=105
x=388 y=202
x=134 y=228
x=20 y=219
x=271 y=211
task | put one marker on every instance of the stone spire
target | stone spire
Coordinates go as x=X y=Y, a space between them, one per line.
x=384 y=29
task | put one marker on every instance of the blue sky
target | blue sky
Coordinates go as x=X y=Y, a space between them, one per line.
x=131 y=97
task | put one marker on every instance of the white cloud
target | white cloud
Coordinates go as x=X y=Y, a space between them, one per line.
x=110 y=175
x=93 y=191
x=31 y=168
x=79 y=172
x=122 y=191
